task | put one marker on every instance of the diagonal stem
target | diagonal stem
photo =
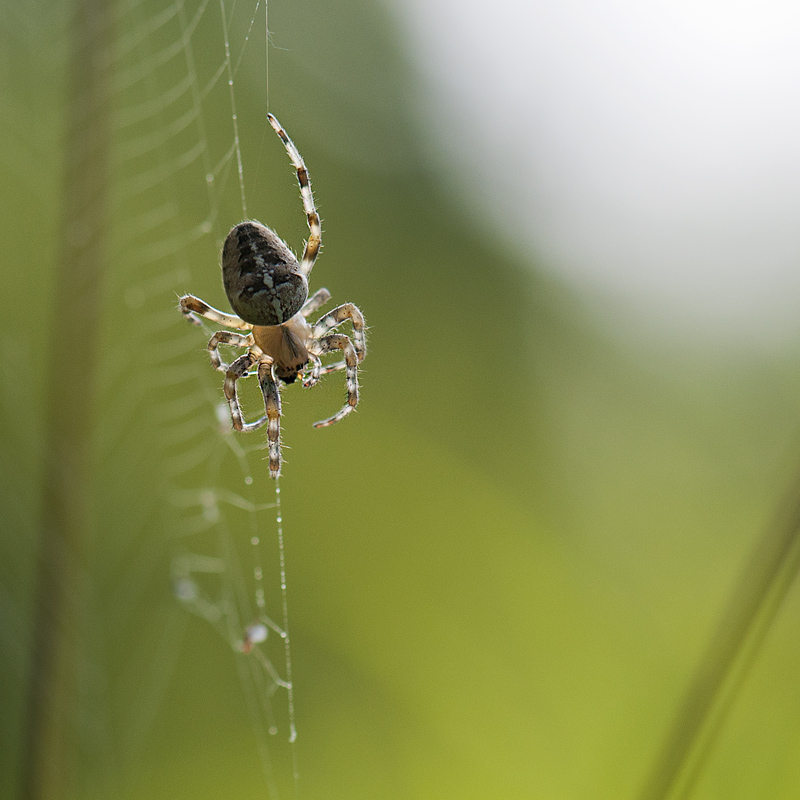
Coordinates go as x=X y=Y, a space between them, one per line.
x=751 y=609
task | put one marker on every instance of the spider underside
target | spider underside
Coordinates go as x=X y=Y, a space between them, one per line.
x=268 y=289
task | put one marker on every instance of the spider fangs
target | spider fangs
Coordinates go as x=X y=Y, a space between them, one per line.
x=268 y=290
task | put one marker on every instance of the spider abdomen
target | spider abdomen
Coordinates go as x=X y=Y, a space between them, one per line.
x=262 y=277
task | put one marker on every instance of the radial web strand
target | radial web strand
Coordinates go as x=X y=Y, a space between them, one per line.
x=181 y=122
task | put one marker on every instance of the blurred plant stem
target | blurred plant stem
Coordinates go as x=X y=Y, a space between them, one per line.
x=752 y=608
x=49 y=754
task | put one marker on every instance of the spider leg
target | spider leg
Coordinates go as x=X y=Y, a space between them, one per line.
x=314 y=226
x=192 y=306
x=226 y=337
x=338 y=341
x=318 y=299
x=316 y=370
x=335 y=318
x=328 y=368
x=272 y=403
x=238 y=370
x=325 y=369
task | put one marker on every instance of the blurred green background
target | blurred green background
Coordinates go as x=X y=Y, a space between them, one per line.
x=503 y=571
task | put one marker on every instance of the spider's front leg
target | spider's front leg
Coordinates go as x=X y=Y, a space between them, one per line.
x=192 y=307
x=338 y=341
x=272 y=402
x=314 y=241
x=238 y=370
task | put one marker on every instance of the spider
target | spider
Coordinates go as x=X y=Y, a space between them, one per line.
x=268 y=290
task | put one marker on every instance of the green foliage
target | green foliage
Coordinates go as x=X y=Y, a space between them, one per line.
x=503 y=569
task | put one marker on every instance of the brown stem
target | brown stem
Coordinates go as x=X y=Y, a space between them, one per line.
x=49 y=749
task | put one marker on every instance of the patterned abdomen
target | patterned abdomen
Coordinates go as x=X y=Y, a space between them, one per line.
x=261 y=275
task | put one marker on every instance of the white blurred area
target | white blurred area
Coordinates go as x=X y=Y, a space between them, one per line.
x=646 y=150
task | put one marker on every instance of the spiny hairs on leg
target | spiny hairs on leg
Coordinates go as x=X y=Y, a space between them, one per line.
x=272 y=402
x=314 y=225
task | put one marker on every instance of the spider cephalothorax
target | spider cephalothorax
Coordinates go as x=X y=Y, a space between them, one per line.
x=268 y=289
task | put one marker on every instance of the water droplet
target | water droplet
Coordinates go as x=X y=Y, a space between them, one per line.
x=223 y=415
x=257 y=633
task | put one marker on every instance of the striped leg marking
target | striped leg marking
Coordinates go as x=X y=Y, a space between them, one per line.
x=336 y=317
x=315 y=372
x=226 y=337
x=314 y=226
x=192 y=307
x=237 y=370
x=272 y=402
x=338 y=341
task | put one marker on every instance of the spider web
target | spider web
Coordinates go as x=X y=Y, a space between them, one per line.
x=186 y=142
